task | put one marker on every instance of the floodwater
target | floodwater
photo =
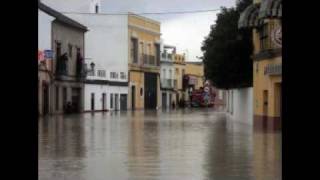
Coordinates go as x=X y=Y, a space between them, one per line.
x=197 y=144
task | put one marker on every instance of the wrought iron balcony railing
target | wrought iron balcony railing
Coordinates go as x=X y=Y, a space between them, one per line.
x=149 y=60
x=166 y=57
x=167 y=83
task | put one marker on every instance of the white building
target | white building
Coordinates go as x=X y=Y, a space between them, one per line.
x=167 y=75
x=239 y=104
x=106 y=54
x=106 y=48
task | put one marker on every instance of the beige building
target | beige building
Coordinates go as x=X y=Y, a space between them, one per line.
x=195 y=71
x=179 y=66
x=144 y=63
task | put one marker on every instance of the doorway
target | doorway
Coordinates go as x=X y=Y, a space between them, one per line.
x=92 y=101
x=104 y=101
x=45 y=103
x=278 y=101
x=133 y=95
x=116 y=97
x=76 y=99
x=123 y=102
x=265 y=104
x=164 y=100
x=150 y=95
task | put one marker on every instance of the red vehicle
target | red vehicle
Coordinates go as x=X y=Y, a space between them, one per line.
x=204 y=97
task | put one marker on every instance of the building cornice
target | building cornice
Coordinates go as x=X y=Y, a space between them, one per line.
x=147 y=30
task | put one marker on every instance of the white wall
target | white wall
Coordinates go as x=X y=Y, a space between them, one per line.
x=167 y=68
x=44 y=30
x=106 y=42
x=98 y=90
x=84 y=6
x=240 y=104
x=106 y=45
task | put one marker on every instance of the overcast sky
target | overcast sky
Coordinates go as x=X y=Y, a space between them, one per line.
x=185 y=31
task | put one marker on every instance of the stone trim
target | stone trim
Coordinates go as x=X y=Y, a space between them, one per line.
x=144 y=29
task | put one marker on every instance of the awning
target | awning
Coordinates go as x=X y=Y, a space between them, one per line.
x=270 y=9
x=254 y=14
x=249 y=17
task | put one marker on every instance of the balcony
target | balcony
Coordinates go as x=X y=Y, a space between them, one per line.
x=175 y=84
x=149 y=60
x=167 y=83
x=166 y=57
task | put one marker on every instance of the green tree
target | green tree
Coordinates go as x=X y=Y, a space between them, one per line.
x=227 y=50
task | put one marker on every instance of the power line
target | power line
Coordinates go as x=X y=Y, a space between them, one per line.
x=150 y=13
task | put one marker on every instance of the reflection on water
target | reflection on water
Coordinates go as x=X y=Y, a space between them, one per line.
x=184 y=144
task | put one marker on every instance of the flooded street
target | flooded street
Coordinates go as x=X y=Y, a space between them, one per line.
x=144 y=145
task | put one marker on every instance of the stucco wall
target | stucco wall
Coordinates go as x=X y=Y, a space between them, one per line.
x=98 y=90
x=106 y=43
x=263 y=82
x=240 y=104
x=67 y=35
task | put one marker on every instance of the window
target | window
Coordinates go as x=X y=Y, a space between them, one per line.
x=157 y=53
x=263 y=35
x=58 y=50
x=97 y=8
x=183 y=71
x=134 y=50
x=177 y=71
x=113 y=75
x=92 y=101
x=70 y=50
x=111 y=100
x=142 y=51
x=149 y=49
x=101 y=73
x=123 y=75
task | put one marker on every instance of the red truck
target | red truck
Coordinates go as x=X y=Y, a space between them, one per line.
x=204 y=97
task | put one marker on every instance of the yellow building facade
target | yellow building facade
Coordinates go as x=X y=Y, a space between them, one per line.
x=179 y=65
x=196 y=70
x=265 y=19
x=144 y=63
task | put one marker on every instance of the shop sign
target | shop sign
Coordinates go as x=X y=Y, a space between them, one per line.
x=48 y=54
x=40 y=55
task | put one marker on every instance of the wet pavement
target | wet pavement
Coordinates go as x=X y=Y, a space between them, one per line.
x=145 y=145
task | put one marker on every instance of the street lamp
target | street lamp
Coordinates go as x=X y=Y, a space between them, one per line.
x=91 y=70
x=92 y=65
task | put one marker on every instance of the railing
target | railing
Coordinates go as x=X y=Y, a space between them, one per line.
x=175 y=84
x=149 y=60
x=167 y=83
x=166 y=57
